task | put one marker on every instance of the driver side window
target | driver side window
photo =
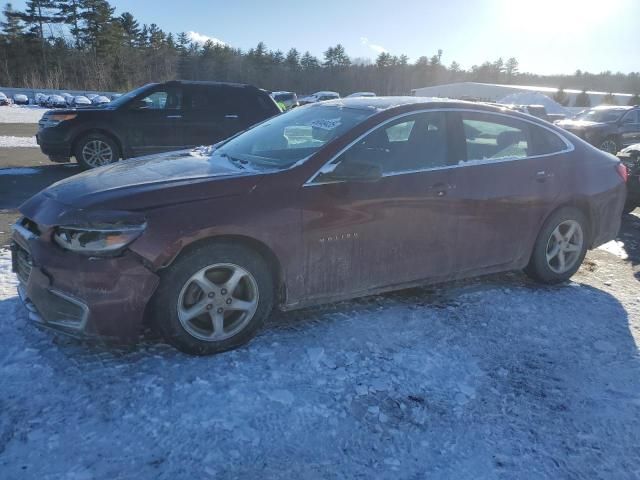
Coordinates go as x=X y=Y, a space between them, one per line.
x=408 y=144
x=160 y=100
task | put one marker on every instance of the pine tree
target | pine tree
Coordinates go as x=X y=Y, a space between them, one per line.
x=11 y=26
x=130 y=28
x=96 y=19
x=38 y=14
x=309 y=62
x=511 y=68
x=582 y=100
x=561 y=97
x=292 y=60
x=609 y=99
x=69 y=14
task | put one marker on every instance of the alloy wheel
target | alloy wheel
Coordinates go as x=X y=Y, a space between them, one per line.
x=217 y=302
x=609 y=146
x=565 y=246
x=96 y=153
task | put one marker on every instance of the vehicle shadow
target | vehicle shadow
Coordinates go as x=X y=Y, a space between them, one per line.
x=17 y=184
x=525 y=381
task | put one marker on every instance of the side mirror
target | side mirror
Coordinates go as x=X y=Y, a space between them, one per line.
x=357 y=169
x=139 y=105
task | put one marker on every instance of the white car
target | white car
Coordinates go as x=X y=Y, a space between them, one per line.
x=68 y=97
x=20 y=99
x=80 y=101
x=91 y=96
x=100 y=100
x=40 y=99
x=362 y=94
x=288 y=99
x=3 y=99
x=56 y=101
x=320 y=97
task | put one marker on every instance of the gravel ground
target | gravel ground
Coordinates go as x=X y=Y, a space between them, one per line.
x=491 y=378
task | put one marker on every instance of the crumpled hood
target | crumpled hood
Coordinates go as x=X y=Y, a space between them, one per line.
x=150 y=181
x=579 y=124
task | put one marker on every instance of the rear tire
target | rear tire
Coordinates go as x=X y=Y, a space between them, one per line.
x=610 y=145
x=560 y=247
x=214 y=298
x=96 y=150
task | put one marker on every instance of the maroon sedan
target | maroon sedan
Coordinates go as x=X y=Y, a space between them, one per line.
x=326 y=202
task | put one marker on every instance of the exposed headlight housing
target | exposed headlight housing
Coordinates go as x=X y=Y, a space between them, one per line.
x=97 y=241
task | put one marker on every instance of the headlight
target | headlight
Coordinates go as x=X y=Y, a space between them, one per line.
x=56 y=118
x=95 y=241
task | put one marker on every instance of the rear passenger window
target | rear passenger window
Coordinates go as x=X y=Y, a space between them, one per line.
x=492 y=137
x=545 y=142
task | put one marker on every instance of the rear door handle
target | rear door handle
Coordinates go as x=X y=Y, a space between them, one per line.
x=231 y=116
x=542 y=175
x=174 y=116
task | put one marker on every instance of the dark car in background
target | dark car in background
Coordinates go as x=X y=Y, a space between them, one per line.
x=330 y=201
x=609 y=128
x=630 y=156
x=153 y=118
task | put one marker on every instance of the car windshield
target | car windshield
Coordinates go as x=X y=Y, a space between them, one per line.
x=293 y=136
x=121 y=100
x=603 y=116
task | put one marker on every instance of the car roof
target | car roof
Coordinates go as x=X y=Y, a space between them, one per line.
x=380 y=104
x=208 y=83
x=326 y=92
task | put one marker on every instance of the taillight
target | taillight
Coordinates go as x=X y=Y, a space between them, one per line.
x=622 y=171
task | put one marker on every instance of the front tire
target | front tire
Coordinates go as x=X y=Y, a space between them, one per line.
x=560 y=247
x=96 y=150
x=214 y=298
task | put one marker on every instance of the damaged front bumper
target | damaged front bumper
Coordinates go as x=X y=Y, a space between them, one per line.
x=85 y=297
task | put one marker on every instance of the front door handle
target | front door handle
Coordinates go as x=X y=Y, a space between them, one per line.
x=174 y=116
x=231 y=116
x=542 y=176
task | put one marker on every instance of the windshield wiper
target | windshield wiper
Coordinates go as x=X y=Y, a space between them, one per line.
x=239 y=162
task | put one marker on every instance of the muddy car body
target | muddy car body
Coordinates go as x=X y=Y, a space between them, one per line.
x=331 y=225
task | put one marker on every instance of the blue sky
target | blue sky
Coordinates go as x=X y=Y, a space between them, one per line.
x=547 y=36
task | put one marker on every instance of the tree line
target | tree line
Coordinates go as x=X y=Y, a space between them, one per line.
x=84 y=44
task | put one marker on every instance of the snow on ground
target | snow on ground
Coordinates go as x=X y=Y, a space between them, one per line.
x=616 y=248
x=10 y=141
x=534 y=98
x=494 y=379
x=21 y=113
x=19 y=171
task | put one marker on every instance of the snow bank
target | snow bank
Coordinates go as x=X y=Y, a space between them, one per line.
x=616 y=248
x=480 y=381
x=13 y=142
x=21 y=113
x=534 y=98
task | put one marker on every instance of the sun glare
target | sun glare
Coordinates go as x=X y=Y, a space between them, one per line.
x=559 y=16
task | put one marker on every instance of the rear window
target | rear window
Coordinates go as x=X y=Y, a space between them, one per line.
x=493 y=137
x=545 y=142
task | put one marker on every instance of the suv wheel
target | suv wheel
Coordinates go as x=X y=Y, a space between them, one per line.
x=213 y=299
x=609 y=145
x=560 y=247
x=96 y=150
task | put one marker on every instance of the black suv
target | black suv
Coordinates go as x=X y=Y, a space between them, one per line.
x=609 y=128
x=630 y=156
x=153 y=118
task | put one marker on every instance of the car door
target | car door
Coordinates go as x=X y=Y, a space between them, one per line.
x=507 y=181
x=205 y=119
x=630 y=128
x=153 y=121
x=361 y=235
